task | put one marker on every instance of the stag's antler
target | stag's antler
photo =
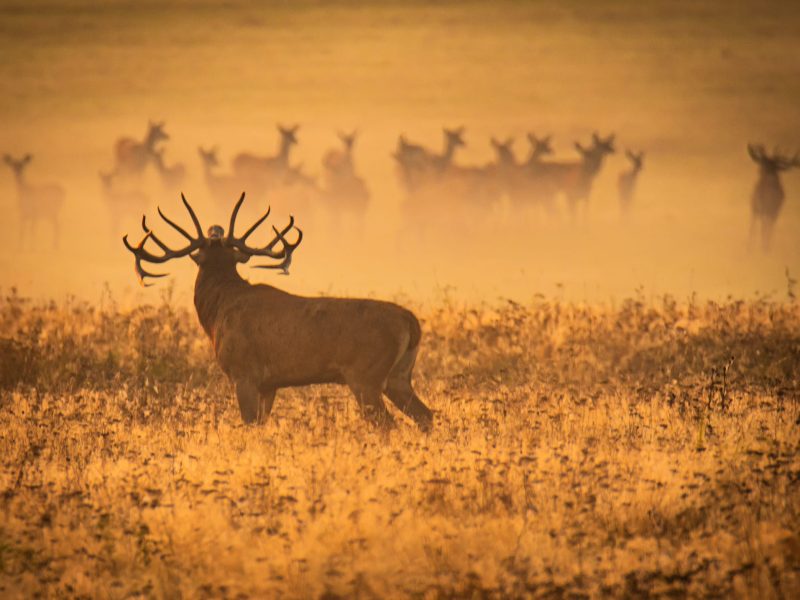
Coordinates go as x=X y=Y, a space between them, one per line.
x=142 y=254
x=284 y=253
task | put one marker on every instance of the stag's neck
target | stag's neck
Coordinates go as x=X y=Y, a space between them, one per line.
x=213 y=289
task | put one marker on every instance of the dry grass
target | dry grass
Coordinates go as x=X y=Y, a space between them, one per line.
x=631 y=450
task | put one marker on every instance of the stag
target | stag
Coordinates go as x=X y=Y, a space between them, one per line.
x=338 y=163
x=626 y=182
x=768 y=195
x=132 y=156
x=264 y=171
x=265 y=339
x=35 y=200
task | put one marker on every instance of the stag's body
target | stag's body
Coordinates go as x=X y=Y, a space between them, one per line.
x=265 y=339
x=768 y=195
x=132 y=156
x=36 y=201
x=626 y=183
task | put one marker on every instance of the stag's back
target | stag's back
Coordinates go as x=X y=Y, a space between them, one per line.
x=263 y=333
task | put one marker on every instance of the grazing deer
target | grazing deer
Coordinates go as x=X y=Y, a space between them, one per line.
x=265 y=339
x=132 y=156
x=36 y=201
x=626 y=183
x=122 y=201
x=172 y=176
x=265 y=171
x=221 y=187
x=575 y=178
x=768 y=194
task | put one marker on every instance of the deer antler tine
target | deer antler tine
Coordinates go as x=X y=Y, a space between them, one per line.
x=255 y=225
x=175 y=226
x=195 y=220
x=233 y=216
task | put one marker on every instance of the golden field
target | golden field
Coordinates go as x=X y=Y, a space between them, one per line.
x=649 y=447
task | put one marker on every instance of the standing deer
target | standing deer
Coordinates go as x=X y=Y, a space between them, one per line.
x=626 y=183
x=265 y=339
x=36 y=201
x=344 y=189
x=132 y=156
x=339 y=162
x=768 y=194
x=419 y=166
x=221 y=187
x=264 y=171
x=172 y=176
x=575 y=178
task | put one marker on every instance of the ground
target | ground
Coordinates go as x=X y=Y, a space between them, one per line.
x=644 y=448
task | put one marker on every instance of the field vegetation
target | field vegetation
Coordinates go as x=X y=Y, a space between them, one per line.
x=648 y=447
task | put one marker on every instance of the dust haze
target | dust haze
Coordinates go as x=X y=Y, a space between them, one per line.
x=690 y=84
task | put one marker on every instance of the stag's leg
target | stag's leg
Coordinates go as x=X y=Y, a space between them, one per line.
x=371 y=403
x=248 y=397
x=266 y=400
x=402 y=395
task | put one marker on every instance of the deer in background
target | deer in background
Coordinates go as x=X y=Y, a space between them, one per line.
x=419 y=166
x=626 y=182
x=575 y=178
x=123 y=200
x=172 y=176
x=36 y=201
x=768 y=195
x=265 y=339
x=221 y=187
x=536 y=186
x=133 y=156
x=262 y=172
x=344 y=189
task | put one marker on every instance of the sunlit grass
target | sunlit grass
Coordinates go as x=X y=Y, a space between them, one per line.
x=644 y=448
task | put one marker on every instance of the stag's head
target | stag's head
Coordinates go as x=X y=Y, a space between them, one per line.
x=636 y=158
x=540 y=146
x=214 y=251
x=209 y=157
x=17 y=165
x=773 y=163
x=454 y=138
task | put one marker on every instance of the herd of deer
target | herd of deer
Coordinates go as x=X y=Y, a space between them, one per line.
x=264 y=338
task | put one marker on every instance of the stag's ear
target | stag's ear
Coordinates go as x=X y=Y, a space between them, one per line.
x=495 y=143
x=580 y=148
x=27 y=158
x=7 y=159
